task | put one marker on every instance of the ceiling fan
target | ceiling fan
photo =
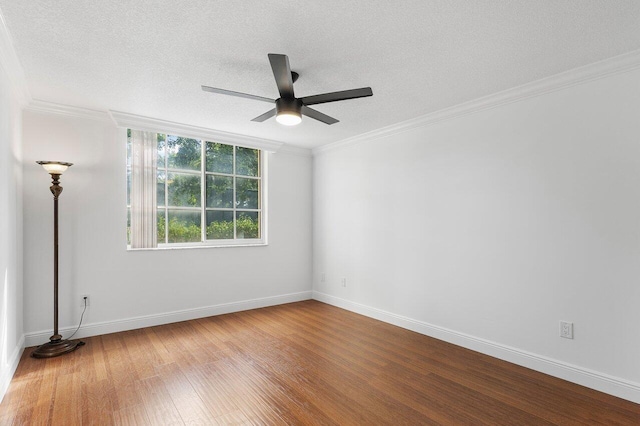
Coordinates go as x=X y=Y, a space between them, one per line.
x=289 y=109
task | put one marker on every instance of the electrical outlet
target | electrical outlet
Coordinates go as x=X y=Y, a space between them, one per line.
x=323 y=277
x=82 y=300
x=343 y=281
x=566 y=329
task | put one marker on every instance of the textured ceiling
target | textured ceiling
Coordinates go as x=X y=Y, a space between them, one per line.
x=150 y=57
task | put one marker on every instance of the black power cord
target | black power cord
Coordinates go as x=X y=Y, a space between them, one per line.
x=81 y=316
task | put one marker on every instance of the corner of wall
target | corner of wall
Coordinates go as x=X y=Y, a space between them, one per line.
x=14 y=95
x=6 y=374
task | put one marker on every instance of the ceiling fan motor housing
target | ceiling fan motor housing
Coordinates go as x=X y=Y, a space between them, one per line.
x=291 y=106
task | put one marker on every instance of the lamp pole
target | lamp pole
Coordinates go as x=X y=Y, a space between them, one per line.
x=56 y=345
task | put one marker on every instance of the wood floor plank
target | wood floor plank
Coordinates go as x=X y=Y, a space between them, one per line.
x=191 y=408
x=213 y=388
x=67 y=400
x=233 y=418
x=157 y=346
x=158 y=404
x=304 y=363
x=260 y=395
x=132 y=415
x=97 y=397
x=96 y=348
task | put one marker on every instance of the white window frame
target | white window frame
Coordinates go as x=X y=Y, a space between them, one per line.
x=203 y=173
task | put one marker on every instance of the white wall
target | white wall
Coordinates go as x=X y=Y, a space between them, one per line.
x=138 y=288
x=11 y=326
x=489 y=229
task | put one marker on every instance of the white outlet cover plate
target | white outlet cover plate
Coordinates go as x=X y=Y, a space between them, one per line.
x=566 y=329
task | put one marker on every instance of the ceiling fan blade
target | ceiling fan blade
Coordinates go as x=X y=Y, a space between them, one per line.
x=264 y=116
x=337 y=96
x=317 y=115
x=282 y=73
x=237 y=94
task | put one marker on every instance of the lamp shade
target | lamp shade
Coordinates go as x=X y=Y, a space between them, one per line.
x=55 y=167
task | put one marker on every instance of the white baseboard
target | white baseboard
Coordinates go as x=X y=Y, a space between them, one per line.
x=95 y=329
x=582 y=376
x=12 y=365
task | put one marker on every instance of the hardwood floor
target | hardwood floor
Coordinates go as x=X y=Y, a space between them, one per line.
x=301 y=363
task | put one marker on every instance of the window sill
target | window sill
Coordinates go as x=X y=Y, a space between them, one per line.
x=197 y=246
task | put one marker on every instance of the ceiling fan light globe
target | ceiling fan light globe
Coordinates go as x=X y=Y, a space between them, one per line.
x=288 y=118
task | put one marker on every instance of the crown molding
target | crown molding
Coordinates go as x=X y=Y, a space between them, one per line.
x=615 y=65
x=67 y=110
x=11 y=64
x=122 y=119
x=139 y=122
x=295 y=150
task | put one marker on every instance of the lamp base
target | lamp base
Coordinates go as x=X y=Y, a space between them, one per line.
x=56 y=348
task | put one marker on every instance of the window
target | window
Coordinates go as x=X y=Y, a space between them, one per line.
x=196 y=192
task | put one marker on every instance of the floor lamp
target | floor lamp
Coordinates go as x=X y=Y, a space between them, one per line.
x=56 y=345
